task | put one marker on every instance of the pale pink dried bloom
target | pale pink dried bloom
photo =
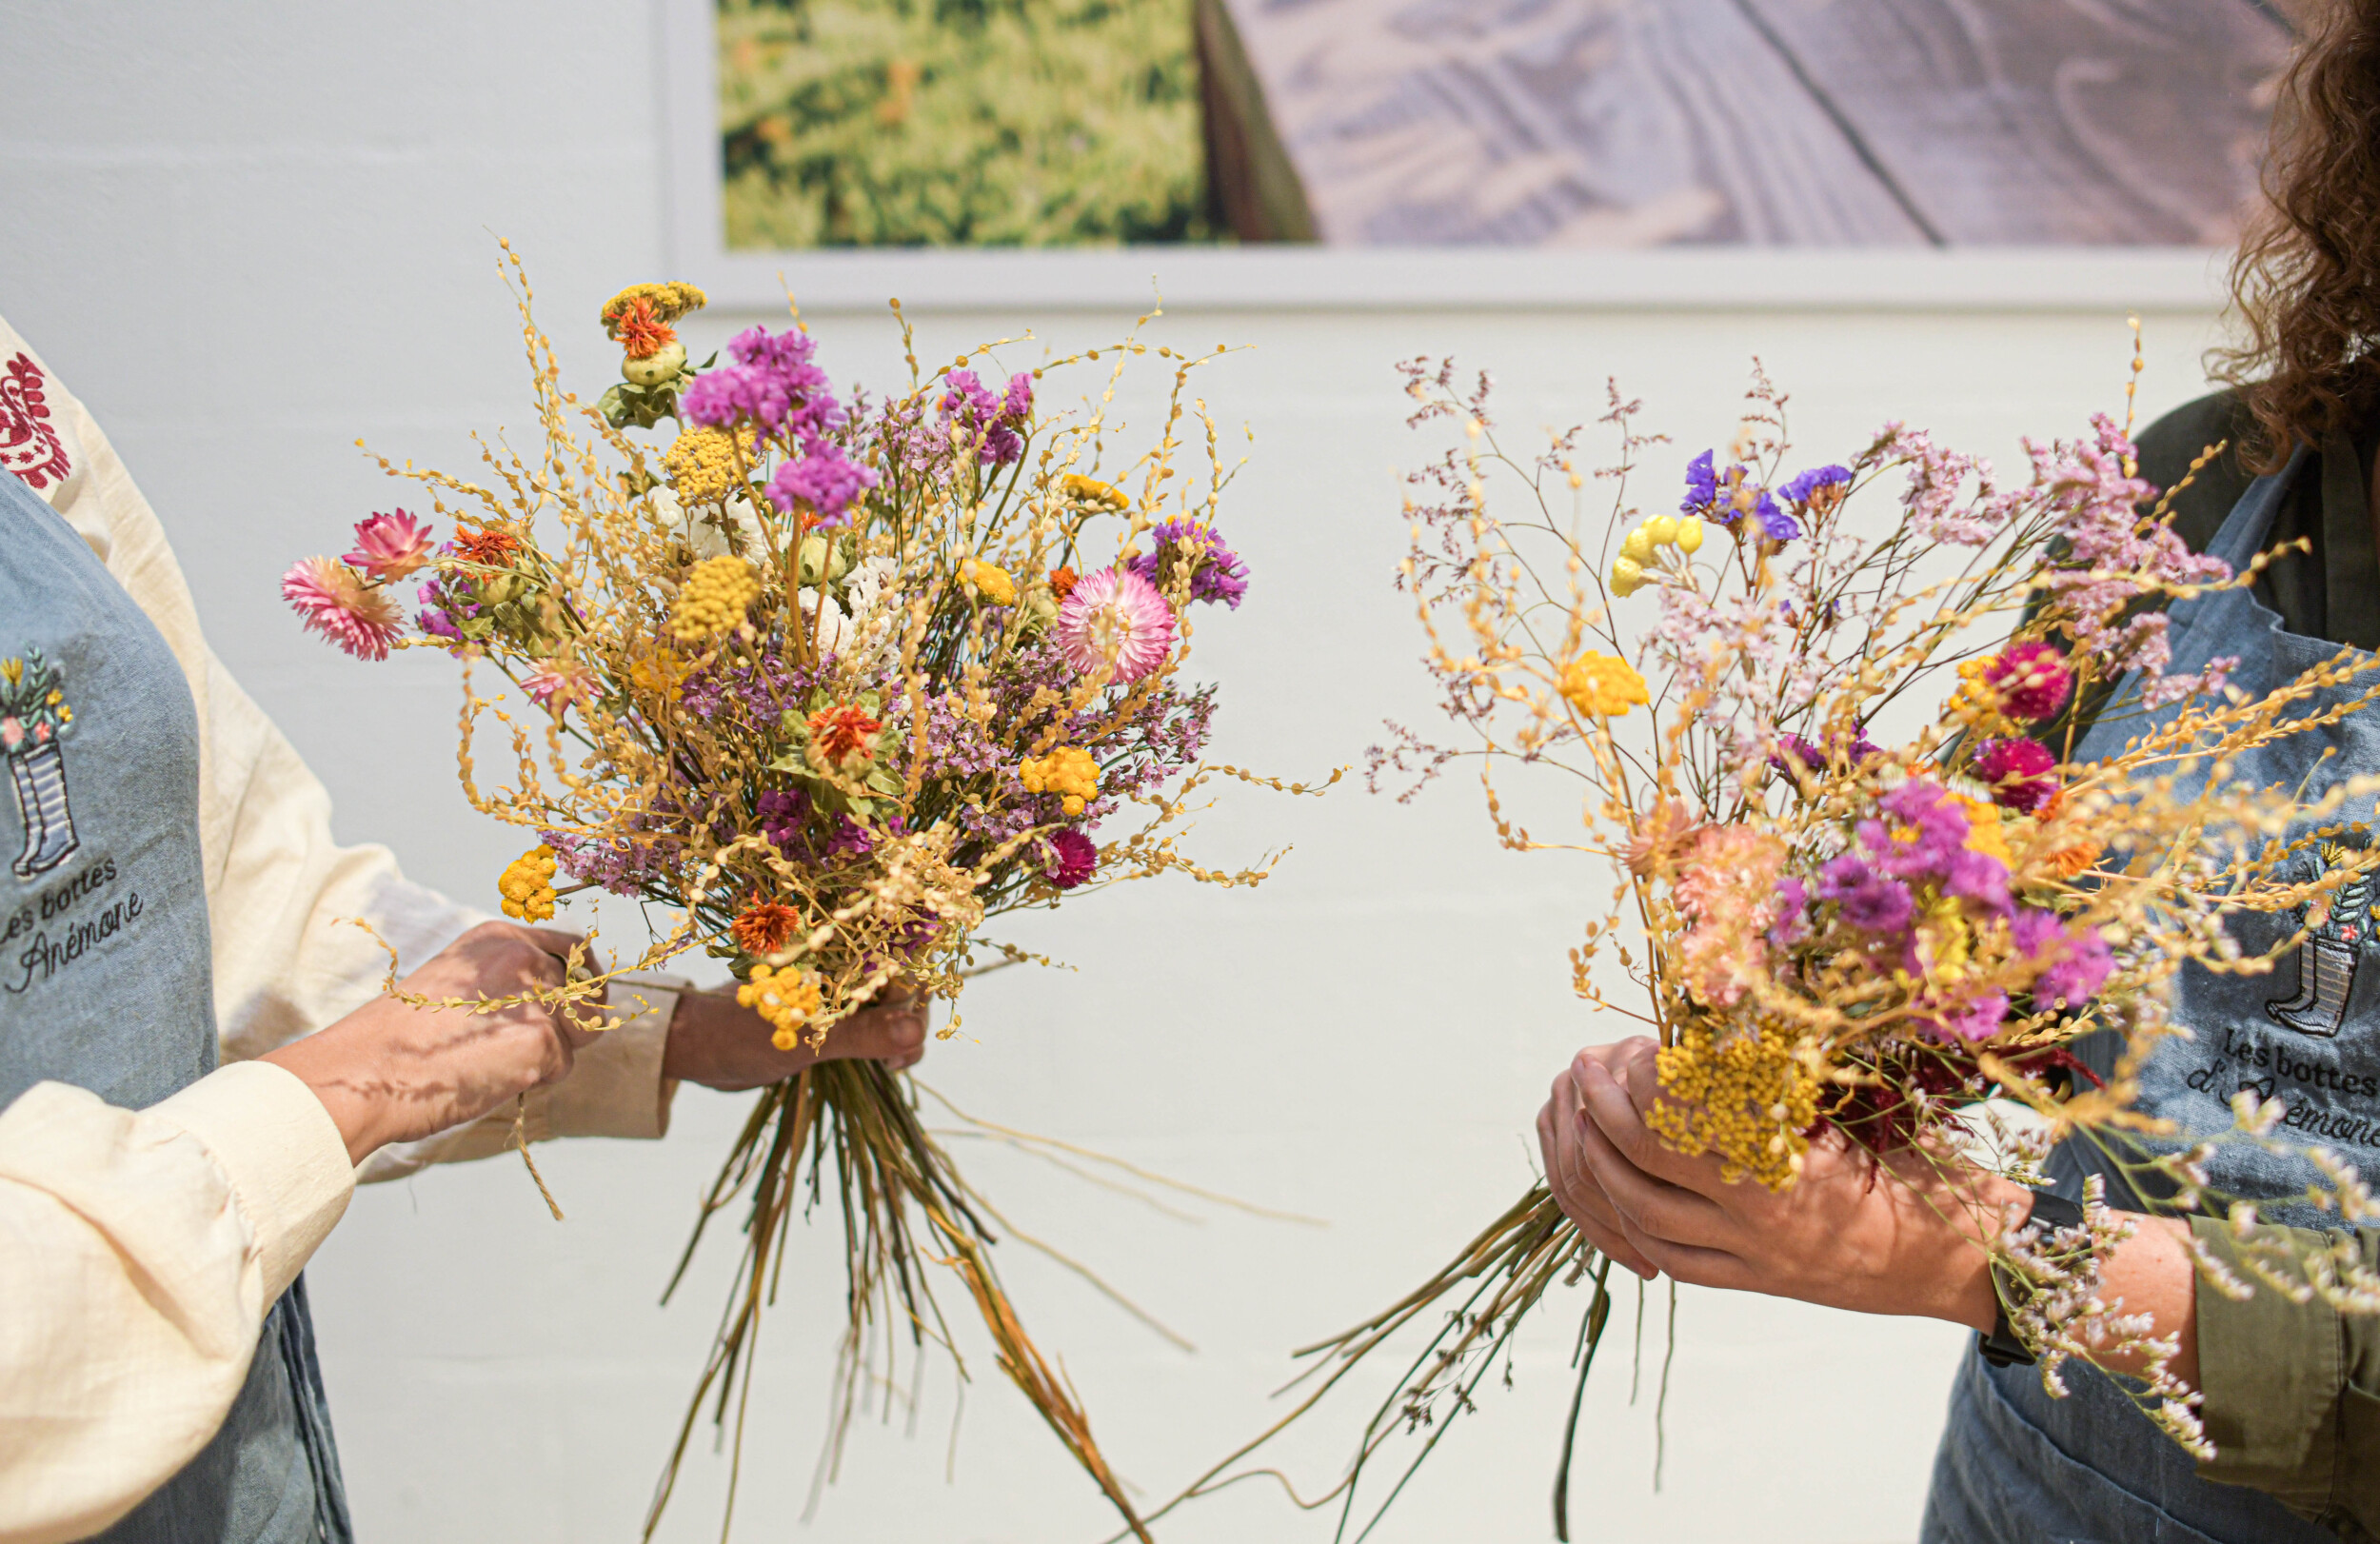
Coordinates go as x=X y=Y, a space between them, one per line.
x=332 y=599
x=1115 y=618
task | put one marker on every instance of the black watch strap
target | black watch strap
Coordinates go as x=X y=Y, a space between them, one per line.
x=2002 y=1348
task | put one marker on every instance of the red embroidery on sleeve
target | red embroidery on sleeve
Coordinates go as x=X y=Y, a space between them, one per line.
x=28 y=446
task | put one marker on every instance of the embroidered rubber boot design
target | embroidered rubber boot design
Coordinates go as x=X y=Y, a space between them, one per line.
x=2325 y=962
x=34 y=717
x=42 y=774
x=28 y=810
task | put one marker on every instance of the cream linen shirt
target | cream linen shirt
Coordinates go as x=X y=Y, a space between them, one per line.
x=140 y=1251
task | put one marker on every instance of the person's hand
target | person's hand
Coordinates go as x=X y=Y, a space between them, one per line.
x=720 y=1045
x=1843 y=1234
x=392 y=1072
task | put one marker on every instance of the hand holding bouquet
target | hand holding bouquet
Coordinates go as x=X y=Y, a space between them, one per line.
x=1906 y=815
x=833 y=682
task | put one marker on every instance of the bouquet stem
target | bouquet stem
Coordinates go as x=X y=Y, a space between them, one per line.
x=859 y=1122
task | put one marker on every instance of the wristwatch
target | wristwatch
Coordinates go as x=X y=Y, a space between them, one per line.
x=2001 y=1348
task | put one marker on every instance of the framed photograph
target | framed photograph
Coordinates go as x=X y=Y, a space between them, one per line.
x=1501 y=153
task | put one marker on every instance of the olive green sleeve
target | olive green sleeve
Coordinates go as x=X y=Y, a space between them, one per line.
x=2292 y=1393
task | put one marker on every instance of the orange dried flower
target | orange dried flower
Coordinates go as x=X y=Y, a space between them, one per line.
x=838 y=734
x=1063 y=580
x=641 y=333
x=766 y=927
x=495 y=548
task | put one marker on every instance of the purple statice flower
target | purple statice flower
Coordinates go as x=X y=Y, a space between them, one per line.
x=995 y=420
x=1806 y=486
x=618 y=865
x=1870 y=901
x=850 y=839
x=2072 y=981
x=1216 y=574
x=1792 y=905
x=2078 y=958
x=1073 y=858
x=1933 y=828
x=1979 y=877
x=1977 y=1019
x=822 y=477
x=773 y=384
x=1726 y=497
x=443 y=606
x=1857 y=754
x=784 y=819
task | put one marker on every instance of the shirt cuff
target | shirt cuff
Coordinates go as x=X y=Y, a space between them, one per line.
x=2272 y=1372
x=281 y=1153
x=616 y=1087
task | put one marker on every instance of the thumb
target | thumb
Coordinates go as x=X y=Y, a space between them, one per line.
x=885 y=1032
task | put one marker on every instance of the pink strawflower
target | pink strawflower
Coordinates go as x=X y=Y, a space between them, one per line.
x=1115 y=618
x=556 y=684
x=2031 y=680
x=391 y=547
x=2020 y=773
x=333 y=599
x=1074 y=858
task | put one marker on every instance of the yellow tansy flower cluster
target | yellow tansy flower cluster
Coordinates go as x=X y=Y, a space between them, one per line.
x=786 y=997
x=702 y=464
x=668 y=301
x=992 y=582
x=1750 y=1100
x=714 y=597
x=527 y=885
x=1601 y=686
x=1067 y=770
x=1636 y=550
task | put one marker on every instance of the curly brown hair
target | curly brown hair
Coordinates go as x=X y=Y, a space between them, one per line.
x=2306 y=282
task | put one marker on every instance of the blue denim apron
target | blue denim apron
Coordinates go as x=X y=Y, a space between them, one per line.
x=2015 y=1463
x=104 y=976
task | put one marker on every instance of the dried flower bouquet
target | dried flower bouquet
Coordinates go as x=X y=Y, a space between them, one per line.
x=832 y=682
x=1840 y=934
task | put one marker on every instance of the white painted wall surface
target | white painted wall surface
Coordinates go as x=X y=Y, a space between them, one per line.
x=248 y=234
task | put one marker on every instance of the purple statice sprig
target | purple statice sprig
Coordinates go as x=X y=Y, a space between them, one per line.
x=1216 y=571
x=1728 y=496
x=775 y=386
x=996 y=421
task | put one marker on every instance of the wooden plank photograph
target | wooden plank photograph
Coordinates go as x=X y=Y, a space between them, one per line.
x=1507 y=123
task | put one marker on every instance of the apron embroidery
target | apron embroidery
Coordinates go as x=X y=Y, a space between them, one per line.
x=28 y=446
x=34 y=717
x=2326 y=961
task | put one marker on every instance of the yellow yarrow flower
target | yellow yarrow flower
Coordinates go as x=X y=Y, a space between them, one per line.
x=1068 y=771
x=714 y=597
x=527 y=885
x=787 y=998
x=668 y=301
x=1601 y=686
x=1749 y=1098
x=660 y=670
x=1985 y=833
x=702 y=464
x=1090 y=490
x=993 y=581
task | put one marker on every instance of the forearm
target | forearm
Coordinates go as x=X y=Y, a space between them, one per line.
x=2152 y=1273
